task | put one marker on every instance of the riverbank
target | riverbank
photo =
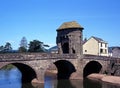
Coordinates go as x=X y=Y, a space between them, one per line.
x=105 y=78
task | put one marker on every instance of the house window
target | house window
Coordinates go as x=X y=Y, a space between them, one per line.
x=105 y=51
x=101 y=50
x=85 y=50
x=101 y=44
x=105 y=45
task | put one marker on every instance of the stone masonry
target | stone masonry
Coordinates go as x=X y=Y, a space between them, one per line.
x=70 y=61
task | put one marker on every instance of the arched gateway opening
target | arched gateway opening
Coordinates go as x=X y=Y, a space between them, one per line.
x=65 y=48
x=28 y=74
x=65 y=69
x=92 y=67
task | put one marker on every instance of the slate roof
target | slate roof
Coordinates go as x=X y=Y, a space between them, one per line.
x=72 y=24
x=110 y=49
x=115 y=50
x=54 y=48
x=96 y=38
x=99 y=39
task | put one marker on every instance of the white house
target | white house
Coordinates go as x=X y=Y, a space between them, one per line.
x=95 y=46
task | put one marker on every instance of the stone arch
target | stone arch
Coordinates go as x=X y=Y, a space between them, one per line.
x=91 y=67
x=65 y=69
x=28 y=73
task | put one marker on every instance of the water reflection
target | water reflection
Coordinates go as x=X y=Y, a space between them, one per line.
x=108 y=85
x=50 y=82
x=8 y=78
x=87 y=83
x=28 y=85
x=12 y=79
x=65 y=84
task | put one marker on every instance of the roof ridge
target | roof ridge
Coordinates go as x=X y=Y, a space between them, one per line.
x=71 y=24
x=99 y=39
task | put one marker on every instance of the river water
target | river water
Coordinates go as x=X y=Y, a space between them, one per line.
x=12 y=79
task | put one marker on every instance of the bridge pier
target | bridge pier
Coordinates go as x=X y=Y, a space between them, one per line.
x=40 y=77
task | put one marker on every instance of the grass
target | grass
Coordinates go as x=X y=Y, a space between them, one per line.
x=8 y=67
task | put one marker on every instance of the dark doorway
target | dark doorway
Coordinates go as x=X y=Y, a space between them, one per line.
x=65 y=48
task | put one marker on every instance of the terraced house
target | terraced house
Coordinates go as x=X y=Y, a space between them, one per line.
x=95 y=46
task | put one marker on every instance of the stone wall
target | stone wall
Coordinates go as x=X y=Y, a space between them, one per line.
x=40 y=62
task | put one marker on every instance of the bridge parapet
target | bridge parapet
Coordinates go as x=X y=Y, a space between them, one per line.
x=6 y=57
x=34 y=56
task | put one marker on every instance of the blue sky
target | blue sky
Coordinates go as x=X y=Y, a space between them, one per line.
x=39 y=19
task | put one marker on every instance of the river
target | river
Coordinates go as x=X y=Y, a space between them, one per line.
x=12 y=79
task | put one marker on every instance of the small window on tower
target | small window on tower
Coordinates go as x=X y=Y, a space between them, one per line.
x=80 y=37
x=73 y=50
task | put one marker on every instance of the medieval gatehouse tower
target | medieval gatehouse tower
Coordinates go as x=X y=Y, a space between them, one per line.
x=69 y=38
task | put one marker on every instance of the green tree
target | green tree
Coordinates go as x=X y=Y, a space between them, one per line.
x=1 y=49
x=22 y=49
x=7 y=47
x=36 y=46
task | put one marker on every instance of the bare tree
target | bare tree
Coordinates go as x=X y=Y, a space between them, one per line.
x=23 y=45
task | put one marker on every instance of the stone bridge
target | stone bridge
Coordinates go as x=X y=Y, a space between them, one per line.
x=69 y=62
x=33 y=66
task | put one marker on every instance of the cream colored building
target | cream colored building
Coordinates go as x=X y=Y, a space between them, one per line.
x=95 y=46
